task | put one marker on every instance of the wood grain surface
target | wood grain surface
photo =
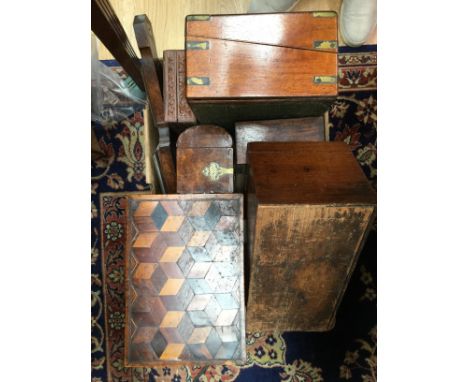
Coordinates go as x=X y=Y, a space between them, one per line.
x=204 y=136
x=205 y=160
x=147 y=47
x=276 y=71
x=294 y=30
x=279 y=130
x=232 y=80
x=313 y=173
x=220 y=50
x=184 y=280
x=108 y=28
x=309 y=210
x=303 y=256
x=165 y=164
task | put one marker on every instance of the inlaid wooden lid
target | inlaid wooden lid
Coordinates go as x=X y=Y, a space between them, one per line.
x=184 y=280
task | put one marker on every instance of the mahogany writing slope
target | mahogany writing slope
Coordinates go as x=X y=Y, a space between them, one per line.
x=260 y=66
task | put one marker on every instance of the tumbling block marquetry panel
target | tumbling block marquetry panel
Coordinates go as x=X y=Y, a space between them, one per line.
x=184 y=279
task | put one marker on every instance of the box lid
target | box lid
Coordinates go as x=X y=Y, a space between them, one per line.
x=277 y=130
x=184 y=280
x=300 y=30
x=280 y=55
x=307 y=173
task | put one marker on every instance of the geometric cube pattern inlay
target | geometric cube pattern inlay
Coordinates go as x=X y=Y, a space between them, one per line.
x=184 y=279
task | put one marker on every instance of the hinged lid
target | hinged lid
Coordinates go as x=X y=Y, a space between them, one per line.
x=279 y=55
x=299 y=30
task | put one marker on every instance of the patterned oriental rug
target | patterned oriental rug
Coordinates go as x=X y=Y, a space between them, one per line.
x=347 y=353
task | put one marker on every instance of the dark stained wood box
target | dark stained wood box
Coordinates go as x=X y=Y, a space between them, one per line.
x=310 y=207
x=184 y=280
x=176 y=109
x=277 y=130
x=205 y=161
x=260 y=66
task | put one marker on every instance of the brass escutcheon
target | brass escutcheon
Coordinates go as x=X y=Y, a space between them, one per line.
x=214 y=171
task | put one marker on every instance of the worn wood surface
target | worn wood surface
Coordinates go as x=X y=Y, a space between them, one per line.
x=176 y=109
x=107 y=27
x=204 y=136
x=264 y=73
x=303 y=256
x=314 y=173
x=184 y=280
x=164 y=163
x=304 y=30
x=150 y=144
x=276 y=71
x=279 y=130
x=165 y=160
x=291 y=54
x=205 y=161
x=147 y=47
x=308 y=218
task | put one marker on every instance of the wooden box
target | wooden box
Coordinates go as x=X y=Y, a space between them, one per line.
x=177 y=111
x=261 y=66
x=278 y=130
x=310 y=207
x=205 y=161
x=184 y=280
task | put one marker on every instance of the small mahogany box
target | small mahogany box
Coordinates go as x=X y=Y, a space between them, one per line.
x=176 y=109
x=205 y=161
x=260 y=66
x=310 y=207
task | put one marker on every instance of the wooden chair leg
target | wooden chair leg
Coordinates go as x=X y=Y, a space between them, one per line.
x=107 y=27
x=152 y=83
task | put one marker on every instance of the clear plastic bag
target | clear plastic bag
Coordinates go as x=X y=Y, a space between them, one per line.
x=112 y=98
